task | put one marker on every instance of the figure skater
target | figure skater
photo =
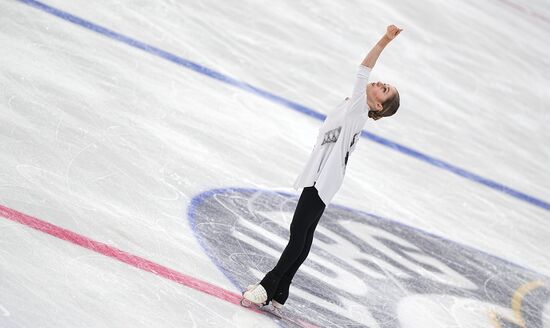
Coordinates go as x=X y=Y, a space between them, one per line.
x=324 y=173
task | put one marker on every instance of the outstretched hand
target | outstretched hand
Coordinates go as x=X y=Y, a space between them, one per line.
x=371 y=58
x=392 y=31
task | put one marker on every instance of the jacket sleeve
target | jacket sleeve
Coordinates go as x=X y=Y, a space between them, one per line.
x=358 y=100
x=361 y=81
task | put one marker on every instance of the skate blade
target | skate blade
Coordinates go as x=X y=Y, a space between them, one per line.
x=269 y=309
x=247 y=304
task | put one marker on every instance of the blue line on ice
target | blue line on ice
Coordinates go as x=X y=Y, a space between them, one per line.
x=290 y=104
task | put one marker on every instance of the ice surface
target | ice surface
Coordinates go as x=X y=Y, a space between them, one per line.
x=129 y=149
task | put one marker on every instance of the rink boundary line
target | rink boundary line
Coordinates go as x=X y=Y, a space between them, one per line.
x=130 y=259
x=285 y=102
x=120 y=255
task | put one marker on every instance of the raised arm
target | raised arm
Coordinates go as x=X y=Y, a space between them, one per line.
x=391 y=32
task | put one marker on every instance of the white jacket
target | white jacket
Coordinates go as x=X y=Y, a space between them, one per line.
x=336 y=140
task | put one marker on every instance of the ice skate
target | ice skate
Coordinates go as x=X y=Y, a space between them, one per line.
x=245 y=302
x=274 y=308
x=254 y=295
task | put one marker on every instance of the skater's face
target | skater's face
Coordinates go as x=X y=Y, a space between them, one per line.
x=378 y=93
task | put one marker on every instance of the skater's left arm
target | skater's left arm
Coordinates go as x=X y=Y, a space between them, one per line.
x=370 y=60
x=391 y=32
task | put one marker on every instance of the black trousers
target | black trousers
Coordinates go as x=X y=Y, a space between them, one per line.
x=308 y=211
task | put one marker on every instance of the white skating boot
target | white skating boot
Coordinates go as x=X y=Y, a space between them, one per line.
x=254 y=294
x=274 y=308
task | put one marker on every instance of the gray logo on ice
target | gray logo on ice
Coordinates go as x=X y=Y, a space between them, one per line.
x=367 y=271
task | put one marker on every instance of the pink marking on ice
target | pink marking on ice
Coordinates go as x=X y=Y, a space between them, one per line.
x=122 y=256
x=525 y=10
x=119 y=255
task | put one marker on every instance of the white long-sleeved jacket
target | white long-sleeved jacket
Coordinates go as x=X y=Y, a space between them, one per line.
x=337 y=139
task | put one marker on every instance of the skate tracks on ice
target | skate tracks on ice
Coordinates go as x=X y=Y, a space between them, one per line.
x=365 y=270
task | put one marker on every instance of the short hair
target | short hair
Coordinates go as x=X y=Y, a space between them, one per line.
x=389 y=107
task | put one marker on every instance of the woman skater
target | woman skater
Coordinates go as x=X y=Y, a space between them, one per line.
x=324 y=172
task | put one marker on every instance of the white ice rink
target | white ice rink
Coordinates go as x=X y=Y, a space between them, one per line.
x=148 y=149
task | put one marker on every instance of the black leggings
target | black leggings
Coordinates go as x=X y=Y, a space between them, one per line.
x=306 y=216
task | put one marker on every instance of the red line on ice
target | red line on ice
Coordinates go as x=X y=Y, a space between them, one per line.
x=525 y=10
x=125 y=257
x=120 y=255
